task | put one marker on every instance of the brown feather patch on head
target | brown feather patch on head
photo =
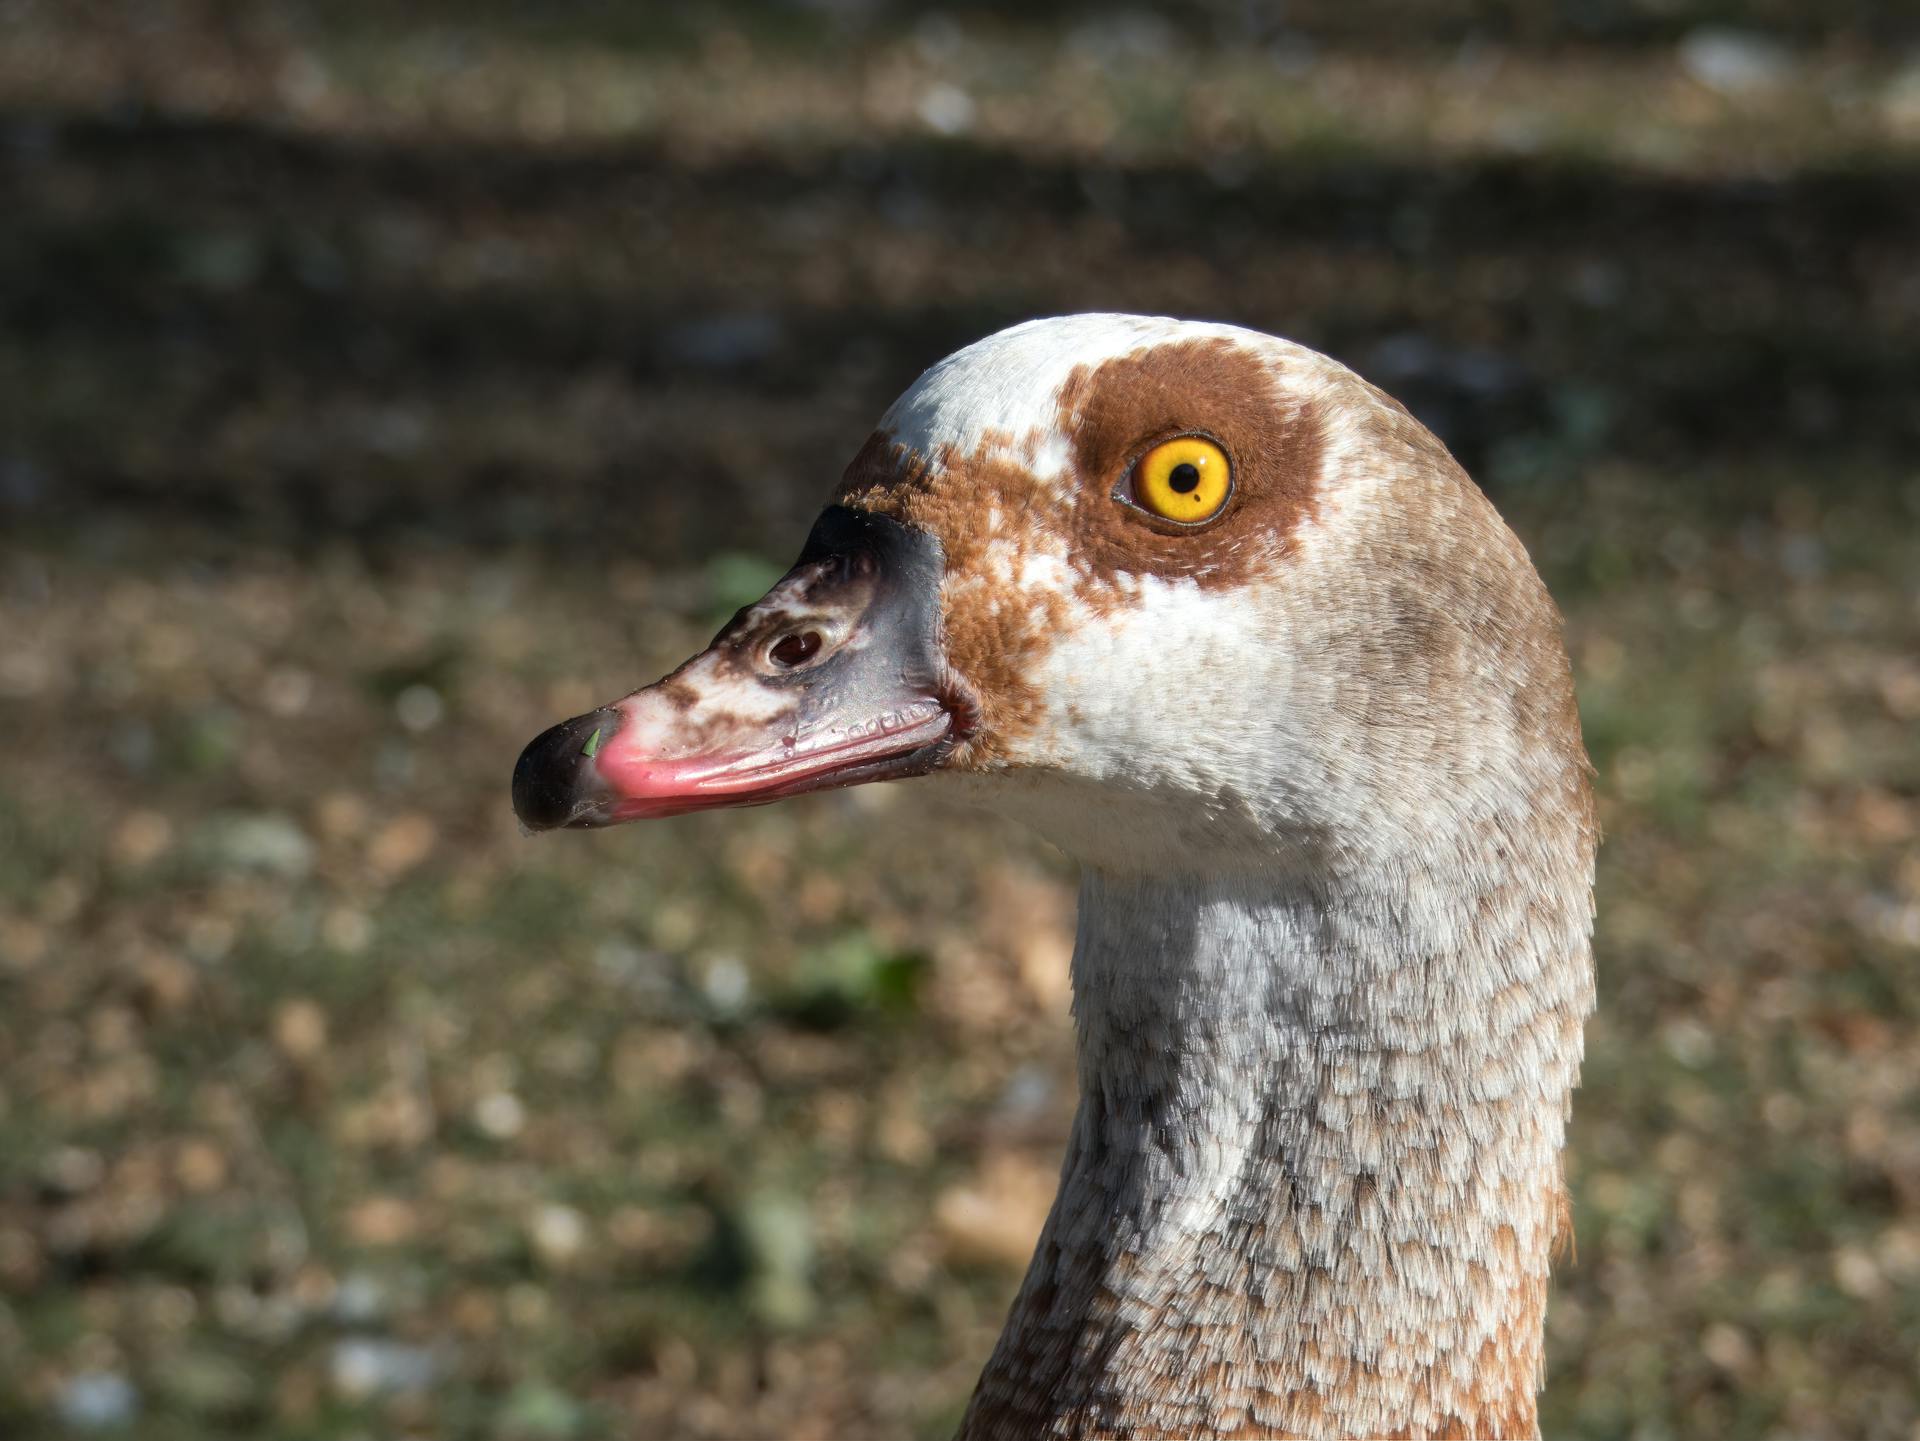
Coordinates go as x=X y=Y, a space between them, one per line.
x=1115 y=411
x=993 y=628
x=994 y=513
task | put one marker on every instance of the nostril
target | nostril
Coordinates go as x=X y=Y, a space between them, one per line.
x=795 y=648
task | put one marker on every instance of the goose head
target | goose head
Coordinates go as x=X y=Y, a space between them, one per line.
x=1174 y=594
x=1225 y=623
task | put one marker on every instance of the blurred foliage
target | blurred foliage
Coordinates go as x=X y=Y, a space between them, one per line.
x=378 y=384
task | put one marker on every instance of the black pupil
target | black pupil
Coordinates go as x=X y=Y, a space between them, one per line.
x=1185 y=477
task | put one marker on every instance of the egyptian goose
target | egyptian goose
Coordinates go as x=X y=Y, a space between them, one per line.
x=1226 y=624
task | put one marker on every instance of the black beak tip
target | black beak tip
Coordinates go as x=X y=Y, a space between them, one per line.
x=554 y=781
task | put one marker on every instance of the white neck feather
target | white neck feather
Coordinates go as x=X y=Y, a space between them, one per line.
x=1313 y=1183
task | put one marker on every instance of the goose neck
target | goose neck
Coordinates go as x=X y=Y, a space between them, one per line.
x=1313 y=1181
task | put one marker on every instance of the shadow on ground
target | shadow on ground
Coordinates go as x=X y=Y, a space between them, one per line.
x=197 y=280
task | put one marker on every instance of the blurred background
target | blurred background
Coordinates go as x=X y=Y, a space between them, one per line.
x=379 y=384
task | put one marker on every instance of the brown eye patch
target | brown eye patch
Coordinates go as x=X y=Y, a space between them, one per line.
x=990 y=510
x=1114 y=411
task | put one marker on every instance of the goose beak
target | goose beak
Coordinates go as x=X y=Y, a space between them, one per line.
x=834 y=678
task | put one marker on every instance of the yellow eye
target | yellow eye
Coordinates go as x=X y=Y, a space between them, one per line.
x=1187 y=480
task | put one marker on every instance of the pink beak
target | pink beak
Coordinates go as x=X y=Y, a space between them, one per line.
x=834 y=678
